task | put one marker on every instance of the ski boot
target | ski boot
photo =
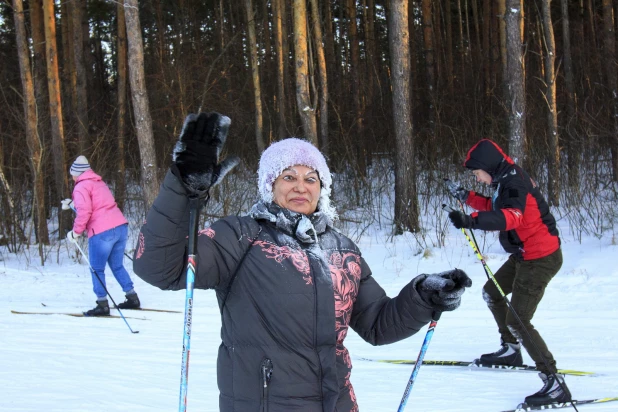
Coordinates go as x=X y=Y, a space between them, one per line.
x=132 y=302
x=508 y=355
x=102 y=309
x=554 y=390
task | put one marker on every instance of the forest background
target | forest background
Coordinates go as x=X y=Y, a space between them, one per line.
x=393 y=92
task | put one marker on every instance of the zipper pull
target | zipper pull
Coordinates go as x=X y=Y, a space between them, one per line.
x=267 y=371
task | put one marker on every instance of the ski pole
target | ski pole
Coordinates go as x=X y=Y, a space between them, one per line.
x=194 y=207
x=419 y=360
x=474 y=245
x=104 y=287
x=478 y=254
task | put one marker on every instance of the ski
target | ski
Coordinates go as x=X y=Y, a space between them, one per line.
x=475 y=365
x=76 y=315
x=143 y=309
x=154 y=310
x=523 y=407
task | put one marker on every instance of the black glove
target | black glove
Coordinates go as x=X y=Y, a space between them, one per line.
x=460 y=219
x=456 y=190
x=442 y=291
x=196 y=154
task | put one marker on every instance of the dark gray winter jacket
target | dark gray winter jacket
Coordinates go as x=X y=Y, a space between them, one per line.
x=286 y=304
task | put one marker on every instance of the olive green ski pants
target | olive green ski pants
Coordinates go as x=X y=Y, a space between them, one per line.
x=526 y=280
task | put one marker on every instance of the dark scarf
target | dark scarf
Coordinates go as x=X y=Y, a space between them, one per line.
x=302 y=227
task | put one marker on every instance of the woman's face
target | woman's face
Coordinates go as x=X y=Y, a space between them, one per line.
x=298 y=189
x=482 y=176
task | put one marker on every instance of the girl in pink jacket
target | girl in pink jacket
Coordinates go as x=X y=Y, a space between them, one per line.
x=100 y=218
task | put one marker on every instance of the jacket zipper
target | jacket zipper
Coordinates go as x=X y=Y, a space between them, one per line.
x=315 y=329
x=266 y=369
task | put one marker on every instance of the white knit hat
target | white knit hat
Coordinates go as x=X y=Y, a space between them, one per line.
x=79 y=166
x=291 y=152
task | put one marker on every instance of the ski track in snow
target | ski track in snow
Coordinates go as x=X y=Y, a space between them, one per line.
x=61 y=363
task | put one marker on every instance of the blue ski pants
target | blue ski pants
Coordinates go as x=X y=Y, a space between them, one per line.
x=108 y=248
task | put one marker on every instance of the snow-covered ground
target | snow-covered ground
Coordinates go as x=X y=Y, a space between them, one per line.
x=61 y=363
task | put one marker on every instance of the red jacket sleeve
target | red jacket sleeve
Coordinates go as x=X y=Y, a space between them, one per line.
x=478 y=202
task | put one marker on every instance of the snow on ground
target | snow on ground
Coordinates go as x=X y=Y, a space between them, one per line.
x=60 y=363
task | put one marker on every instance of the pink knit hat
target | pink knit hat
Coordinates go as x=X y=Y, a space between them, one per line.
x=291 y=152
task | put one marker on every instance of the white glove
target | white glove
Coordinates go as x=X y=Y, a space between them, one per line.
x=72 y=236
x=67 y=204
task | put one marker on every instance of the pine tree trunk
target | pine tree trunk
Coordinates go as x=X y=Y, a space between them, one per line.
x=373 y=65
x=329 y=40
x=354 y=67
x=303 y=94
x=121 y=84
x=86 y=49
x=487 y=66
x=553 y=159
x=593 y=43
x=69 y=77
x=139 y=95
x=496 y=23
x=415 y=80
x=255 y=74
x=55 y=106
x=323 y=92
x=449 y=45
x=406 y=202
x=572 y=147
x=32 y=138
x=430 y=80
x=278 y=19
x=355 y=83
x=81 y=104
x=223 y=41
x=40 y=74
x=612 y=83
x=516 y=103
x=503 y=35
x=288 y=77
x=478 y=45
x=462 y=47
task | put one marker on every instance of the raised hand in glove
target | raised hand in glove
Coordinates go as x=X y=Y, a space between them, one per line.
x=67 y=204
x=442 y=291
x=460 y=219
x=456 y=190
x=72 y=236
x=196 y=154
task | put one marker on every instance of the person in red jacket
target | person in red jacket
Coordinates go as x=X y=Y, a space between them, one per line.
x=528 y=232
x=289 y=285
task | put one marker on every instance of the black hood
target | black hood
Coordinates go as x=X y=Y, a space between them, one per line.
x=488 y=156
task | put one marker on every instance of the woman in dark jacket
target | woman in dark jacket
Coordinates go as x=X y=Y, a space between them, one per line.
x=288 y=284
